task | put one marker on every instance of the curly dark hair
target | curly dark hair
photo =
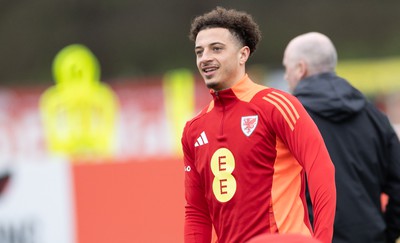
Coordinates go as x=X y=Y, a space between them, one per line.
x=240 y=24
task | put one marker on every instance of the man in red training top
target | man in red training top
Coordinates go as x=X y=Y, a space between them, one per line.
x=247 y=153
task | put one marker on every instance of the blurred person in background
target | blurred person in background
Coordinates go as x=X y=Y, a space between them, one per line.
x=79 y=113
x=360 y=139
x=246 y=153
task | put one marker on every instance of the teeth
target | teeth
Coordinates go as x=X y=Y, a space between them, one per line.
x=209 y=69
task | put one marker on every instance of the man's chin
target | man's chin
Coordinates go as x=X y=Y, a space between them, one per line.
x=212 y=85
x=212 y=82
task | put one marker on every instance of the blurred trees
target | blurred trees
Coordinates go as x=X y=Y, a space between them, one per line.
x=144 y=37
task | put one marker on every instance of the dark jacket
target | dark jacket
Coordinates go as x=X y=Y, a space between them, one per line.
x=366 y=152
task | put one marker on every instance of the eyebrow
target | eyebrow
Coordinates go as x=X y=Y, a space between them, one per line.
x=211 y=44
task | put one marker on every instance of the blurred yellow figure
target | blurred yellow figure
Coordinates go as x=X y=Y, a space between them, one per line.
x=79 y=112
x=178 y=86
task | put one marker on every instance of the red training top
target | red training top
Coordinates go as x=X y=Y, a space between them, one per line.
x=245 y=157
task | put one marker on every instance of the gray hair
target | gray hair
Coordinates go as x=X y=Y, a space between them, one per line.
x=317 y=50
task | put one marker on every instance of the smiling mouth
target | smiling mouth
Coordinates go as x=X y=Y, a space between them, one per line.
x=209 y=70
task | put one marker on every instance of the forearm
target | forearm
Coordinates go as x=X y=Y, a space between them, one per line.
x=198 y=227
x=324 y=213
x=322 y=189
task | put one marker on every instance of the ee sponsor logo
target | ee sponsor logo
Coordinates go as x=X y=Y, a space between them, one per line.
x=222 y=166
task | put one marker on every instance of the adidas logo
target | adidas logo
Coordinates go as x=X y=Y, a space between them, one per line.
x=201 y=140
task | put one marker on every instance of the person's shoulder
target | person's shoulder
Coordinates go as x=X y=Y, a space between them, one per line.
x=274 y=96
x=200 y=114
x=260 y=89
x=375 y=113
x=380 y=118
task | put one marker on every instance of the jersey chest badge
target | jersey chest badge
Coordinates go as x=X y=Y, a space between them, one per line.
x=249 y=124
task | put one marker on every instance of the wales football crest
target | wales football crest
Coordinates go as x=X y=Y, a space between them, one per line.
x=249 y=124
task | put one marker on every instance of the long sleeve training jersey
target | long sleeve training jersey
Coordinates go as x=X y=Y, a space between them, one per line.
x=246 y=155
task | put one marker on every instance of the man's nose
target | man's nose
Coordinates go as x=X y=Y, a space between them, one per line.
x=206 y=56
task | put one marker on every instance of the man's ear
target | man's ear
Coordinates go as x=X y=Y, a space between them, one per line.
x=302 y=69
x=244 y=54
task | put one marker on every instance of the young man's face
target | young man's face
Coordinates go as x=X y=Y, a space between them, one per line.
x=220 y=58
